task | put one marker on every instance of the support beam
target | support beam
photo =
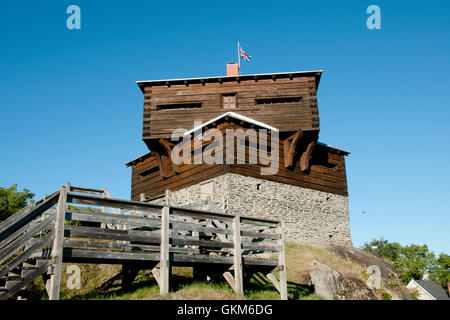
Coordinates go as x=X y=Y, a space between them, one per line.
x=157 y=274
x=237 y=256
x=162 y=161
x=57 y=250
x=282 y=263
x=290 y=145
x=274 y=281
x=230 y=279
x=305 y=162
x=164 y=252
x=168 y=146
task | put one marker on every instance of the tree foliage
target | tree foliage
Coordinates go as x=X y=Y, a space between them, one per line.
x=413 y=261
x=441 y=272
x=12 y=200
x=388 y=250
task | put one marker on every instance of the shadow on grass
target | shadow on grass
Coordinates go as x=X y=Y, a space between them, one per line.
x=256 y=286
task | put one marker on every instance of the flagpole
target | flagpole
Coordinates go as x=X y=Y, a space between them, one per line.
x=239 y=60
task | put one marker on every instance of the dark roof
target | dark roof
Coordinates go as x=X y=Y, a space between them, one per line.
x=242 y=77
x=433 y=289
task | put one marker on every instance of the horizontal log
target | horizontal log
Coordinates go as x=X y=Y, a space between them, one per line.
x=258 y=247
x=122 y=246
x=107 y=234
x=271 y=236
x=119 y=257
x=86 y=190
x=111 y=202
x=201 y=243
x=113 y=218
x=186 y=226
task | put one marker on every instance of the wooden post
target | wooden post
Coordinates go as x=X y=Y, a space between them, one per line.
x=57 y=250
x=168 y=197
x=282 y=263
x=164 y=263
x=238 y=281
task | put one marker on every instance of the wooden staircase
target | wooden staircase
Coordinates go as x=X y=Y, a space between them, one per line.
x=25 y=241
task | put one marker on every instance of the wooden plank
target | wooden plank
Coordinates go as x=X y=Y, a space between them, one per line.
x=108 y=234
x=103 y=256
x=282 y=264
x=112 y=202
x=205 y=259
x=201 y=243
x=57 y=249
x=157 y=275
x=185 y=226
x=112 y=218
x=251 y=246
x=201 y=213
x=274 y=281
x=251 y=234
x=86 y=190
x=230 y=279
x=121 y=246
x=258 y=222
x=237 y=256
x=164 y=263
x=260 y=262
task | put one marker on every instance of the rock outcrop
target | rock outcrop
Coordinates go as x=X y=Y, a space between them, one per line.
x=333 y=285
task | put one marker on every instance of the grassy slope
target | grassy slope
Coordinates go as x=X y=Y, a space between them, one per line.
x=104 y=281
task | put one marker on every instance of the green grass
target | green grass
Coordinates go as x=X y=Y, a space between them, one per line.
x=106 y=284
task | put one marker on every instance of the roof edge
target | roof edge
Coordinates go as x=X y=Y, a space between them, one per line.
x=162 y=82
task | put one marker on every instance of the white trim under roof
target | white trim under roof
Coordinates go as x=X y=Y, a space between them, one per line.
x=234 y=115
x=331 y=147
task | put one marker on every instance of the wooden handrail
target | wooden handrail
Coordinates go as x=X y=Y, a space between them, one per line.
x=18 y=220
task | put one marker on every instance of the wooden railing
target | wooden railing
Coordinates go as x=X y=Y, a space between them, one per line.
x=88 y=225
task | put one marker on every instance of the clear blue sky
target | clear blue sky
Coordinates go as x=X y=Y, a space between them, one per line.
x=71 y=111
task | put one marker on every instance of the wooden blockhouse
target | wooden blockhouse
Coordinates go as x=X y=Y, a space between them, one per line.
x=285 y=101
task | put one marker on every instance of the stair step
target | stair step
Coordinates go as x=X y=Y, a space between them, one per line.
x=37 y=257
x=26 y=268
x=27 y=272
x=28 y=265
x=12 y=283
x=15 y=273
x=3 y=289
x=13 y=278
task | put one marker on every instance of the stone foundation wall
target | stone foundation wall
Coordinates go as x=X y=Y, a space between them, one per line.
x=310 y=216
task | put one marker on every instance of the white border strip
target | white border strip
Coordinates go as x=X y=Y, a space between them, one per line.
x=235 y=116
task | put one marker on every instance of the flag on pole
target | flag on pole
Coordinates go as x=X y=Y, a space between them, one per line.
x=244 y=56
